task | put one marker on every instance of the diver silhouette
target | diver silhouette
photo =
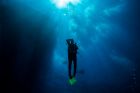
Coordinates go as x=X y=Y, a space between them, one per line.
x=72 y=56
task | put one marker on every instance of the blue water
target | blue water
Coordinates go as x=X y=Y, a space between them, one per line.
x=105 y=31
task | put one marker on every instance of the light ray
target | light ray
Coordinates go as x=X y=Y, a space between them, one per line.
x=64 y=3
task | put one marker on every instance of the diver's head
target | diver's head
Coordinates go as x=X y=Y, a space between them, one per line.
x=72 y=41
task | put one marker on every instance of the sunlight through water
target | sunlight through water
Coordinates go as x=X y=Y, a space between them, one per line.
x=64 y=3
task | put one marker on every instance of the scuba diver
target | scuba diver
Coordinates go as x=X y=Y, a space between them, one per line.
x=72 y=56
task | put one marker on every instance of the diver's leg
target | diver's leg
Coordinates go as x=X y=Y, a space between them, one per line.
x=75 y=66
x=69 y=68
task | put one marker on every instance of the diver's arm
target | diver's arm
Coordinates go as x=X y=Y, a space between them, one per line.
x=68 y=41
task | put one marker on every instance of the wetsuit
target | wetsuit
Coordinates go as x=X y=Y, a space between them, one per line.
x=72 y=58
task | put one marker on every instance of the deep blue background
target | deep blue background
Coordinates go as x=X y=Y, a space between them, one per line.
x=33 y=51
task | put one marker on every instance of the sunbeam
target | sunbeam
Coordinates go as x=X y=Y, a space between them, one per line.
x=64 y=3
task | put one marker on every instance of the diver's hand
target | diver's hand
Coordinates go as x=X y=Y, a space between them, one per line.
x=69 y=39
